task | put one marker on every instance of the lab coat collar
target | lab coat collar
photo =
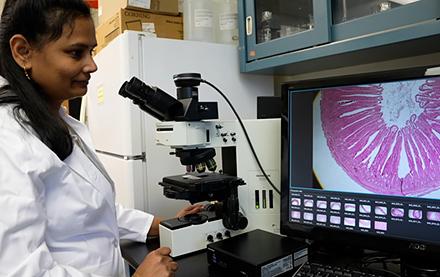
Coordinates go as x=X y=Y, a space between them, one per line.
x=81 y=165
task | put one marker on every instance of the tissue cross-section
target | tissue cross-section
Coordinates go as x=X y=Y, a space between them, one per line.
x=386 y=137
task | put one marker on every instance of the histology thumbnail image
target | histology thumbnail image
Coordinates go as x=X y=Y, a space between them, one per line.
x=379 y=138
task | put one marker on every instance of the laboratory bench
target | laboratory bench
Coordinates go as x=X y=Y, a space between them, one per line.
x=195 y=264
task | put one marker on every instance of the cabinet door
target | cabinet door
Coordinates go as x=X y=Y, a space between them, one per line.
x=279 y=26
x=354 y=18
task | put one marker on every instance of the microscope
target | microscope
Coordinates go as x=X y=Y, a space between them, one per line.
x=191 y=128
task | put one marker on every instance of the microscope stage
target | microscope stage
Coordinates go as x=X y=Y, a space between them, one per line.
x=198 y=187
x=199 y=181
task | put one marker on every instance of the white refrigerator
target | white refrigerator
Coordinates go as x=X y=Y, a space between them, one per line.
x=124 y=135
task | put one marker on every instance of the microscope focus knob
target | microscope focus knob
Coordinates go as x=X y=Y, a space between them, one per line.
x=210 y=238
x=243 y=223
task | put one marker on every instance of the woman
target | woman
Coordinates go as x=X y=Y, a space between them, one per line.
x=58 y=213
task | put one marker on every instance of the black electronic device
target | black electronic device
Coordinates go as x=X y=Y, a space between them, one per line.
x=268 y=107
x=257 y=253
x=361 y=162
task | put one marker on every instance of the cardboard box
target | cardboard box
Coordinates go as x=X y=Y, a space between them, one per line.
x=160 y=25
x=165 y=6
x=107 y=8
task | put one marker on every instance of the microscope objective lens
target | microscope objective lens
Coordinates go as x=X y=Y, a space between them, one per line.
x=211 y=165
x=200 y=167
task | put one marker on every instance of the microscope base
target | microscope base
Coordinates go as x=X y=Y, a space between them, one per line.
x=193 y=238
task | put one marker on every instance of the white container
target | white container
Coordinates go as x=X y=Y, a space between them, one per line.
x=198 y=20
x=226 y=14
x=180 y=6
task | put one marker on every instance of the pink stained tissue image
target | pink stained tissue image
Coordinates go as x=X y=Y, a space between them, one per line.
x=386 y=137
x=397 y=212
x=433 y=216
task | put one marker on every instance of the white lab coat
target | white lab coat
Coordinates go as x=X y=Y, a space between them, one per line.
x=58 y=218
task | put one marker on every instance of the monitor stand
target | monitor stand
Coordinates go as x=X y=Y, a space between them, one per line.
x=417 y=266
x=344 y=255
x=355 y=257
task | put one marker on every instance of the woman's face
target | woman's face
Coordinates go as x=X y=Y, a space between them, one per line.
x=62 y=67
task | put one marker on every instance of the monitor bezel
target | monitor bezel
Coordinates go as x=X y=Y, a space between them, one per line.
x=327 y=236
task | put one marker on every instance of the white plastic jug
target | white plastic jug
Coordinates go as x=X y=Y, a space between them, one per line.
x=226 y=20
x=198 y=20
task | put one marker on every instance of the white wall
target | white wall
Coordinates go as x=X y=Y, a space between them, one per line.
x=2 y=2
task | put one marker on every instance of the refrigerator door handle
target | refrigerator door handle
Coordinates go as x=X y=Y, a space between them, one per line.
x=127 y=158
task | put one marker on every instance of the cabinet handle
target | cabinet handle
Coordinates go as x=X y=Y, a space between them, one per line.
x=249 y=26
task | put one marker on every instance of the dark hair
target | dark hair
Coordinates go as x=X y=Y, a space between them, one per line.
x=39 y=21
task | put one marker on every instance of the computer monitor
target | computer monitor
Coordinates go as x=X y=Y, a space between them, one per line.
x=361 y=162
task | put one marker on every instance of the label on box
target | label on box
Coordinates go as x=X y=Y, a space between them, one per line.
x=203 y=18
x=277 y=267
x=159 y=25
x=144 y=4
x=149 y=29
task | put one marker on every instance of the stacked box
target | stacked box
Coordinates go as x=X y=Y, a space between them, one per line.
x=108 y=8
x=154 y=24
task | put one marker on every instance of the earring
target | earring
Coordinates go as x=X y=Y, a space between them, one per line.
x=26 y=73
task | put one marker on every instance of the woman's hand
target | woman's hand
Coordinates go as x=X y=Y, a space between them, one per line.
x=157 y=264
x=192 y=209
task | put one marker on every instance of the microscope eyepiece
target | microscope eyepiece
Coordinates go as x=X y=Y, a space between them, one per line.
x=164 y=107
x=151 y=99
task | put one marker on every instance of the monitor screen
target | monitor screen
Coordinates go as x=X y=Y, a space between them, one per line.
x=361 y=162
